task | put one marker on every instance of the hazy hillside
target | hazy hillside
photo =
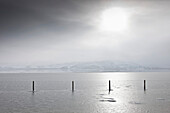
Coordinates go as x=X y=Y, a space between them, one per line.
x=100 y=66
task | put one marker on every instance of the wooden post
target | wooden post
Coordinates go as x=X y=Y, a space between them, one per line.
x=144 y=85
x=72 y=86
x=33 y=86
x=109 y=86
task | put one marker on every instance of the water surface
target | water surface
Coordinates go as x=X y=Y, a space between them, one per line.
x=53 y=93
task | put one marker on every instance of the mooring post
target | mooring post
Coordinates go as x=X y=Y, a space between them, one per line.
x=33 y=86
x=72 y=86
x=109 y=86
x=144 y=85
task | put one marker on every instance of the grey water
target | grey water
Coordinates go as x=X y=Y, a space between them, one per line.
x=53 y=92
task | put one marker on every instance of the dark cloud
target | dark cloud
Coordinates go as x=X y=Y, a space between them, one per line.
x=23 y=18
x=16 y=18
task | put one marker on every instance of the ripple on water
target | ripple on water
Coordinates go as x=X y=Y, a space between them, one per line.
x=160 y=99
x=137 y=103
x=106 y=99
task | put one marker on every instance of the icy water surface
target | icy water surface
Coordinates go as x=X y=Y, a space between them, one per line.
x=53 y=93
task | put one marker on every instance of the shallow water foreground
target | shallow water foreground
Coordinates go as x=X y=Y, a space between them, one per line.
x=53 y=93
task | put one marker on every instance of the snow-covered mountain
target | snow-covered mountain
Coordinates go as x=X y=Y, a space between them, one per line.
x=99 y=66
x=105 y=66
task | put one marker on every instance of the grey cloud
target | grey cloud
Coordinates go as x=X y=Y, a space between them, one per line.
x=51 y=31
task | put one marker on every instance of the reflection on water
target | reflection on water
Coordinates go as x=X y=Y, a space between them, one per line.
x=54 y=94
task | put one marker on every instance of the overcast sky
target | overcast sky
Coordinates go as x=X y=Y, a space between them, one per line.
x=40 y=32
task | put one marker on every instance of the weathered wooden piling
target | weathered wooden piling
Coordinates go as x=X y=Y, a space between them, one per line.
x=109 y=86
x=72 y=86
x=33 y=86
x=144 y=85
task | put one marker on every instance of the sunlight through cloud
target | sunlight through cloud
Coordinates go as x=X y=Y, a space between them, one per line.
x=114 y=19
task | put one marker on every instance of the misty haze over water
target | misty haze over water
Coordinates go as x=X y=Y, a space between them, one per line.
x=99 y=66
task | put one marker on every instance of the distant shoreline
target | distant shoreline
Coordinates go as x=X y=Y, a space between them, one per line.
x=56 y=71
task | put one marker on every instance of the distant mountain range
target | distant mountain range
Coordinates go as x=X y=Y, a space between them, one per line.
x=100 y=66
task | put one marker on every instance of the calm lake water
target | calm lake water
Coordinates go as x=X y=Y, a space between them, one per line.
x=53 y=93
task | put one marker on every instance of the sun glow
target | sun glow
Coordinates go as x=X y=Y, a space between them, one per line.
x=114 y=19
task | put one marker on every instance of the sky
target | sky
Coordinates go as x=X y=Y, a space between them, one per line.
x=42 y=32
